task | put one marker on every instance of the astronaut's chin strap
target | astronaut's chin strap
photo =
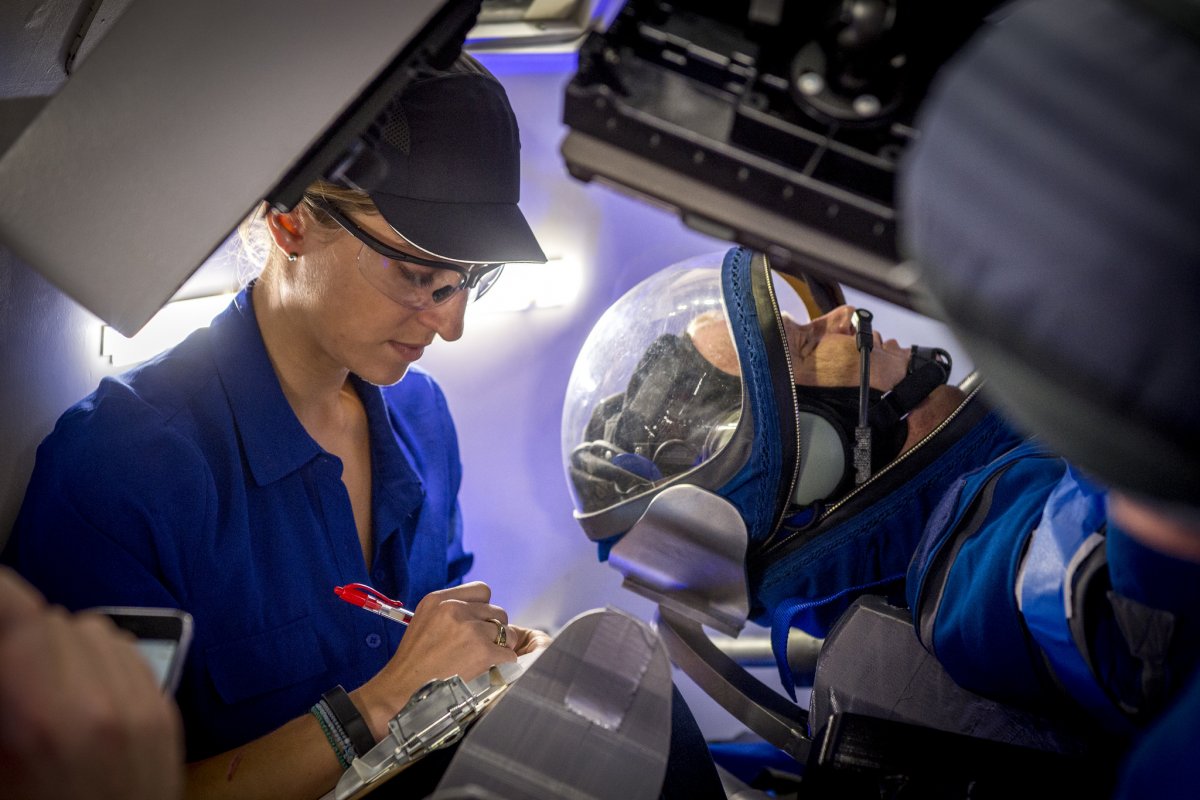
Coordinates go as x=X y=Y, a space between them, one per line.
x=928 y=368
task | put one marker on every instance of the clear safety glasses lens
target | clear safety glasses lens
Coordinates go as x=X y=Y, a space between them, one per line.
x=417 y=287
x=484 y=278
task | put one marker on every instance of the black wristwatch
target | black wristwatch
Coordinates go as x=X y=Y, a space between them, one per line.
x=351 y=720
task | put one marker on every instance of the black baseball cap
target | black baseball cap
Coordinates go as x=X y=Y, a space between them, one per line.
x=445 y=169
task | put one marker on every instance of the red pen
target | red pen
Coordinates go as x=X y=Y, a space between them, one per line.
x=364 y=596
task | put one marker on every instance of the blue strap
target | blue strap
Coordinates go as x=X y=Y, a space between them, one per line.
x=1073 y=513
x=792 y=613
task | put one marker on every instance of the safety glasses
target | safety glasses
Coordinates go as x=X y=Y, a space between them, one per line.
x=410 y=280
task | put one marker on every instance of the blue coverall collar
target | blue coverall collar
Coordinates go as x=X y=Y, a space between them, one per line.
x=275 y=442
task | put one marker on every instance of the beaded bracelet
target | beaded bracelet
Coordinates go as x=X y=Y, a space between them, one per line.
x=337 y=738
x=349 y=719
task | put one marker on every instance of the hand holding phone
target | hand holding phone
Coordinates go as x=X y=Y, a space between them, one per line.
x=83 y=718
x=163 y=636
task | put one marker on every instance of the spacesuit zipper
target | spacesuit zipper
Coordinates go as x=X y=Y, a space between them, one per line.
x=778 y=314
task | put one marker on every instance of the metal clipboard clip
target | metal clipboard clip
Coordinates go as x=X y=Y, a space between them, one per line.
x=437 y=715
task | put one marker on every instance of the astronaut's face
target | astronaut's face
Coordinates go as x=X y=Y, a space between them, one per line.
x=823 y=351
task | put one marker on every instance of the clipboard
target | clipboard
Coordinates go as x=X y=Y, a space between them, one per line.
x=436 y=717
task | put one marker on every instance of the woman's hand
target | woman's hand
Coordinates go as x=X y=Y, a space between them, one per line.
x=453 y=632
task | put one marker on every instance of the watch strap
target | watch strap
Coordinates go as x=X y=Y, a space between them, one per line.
x=351 y=720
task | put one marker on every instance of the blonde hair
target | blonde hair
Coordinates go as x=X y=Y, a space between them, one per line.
x=258 y=249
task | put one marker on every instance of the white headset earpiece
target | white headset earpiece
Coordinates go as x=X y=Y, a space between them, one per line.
x=822 y=459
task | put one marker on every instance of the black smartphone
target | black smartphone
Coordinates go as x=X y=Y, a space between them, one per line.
x=163 y=636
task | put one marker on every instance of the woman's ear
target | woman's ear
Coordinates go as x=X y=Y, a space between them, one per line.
x=287 y=230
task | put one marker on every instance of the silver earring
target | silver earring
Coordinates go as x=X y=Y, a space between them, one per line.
x=292 y=257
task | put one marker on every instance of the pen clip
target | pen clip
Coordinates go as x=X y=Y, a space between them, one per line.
x=362 y=595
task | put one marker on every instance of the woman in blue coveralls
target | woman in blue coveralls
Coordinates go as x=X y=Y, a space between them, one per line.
x=244 y=474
